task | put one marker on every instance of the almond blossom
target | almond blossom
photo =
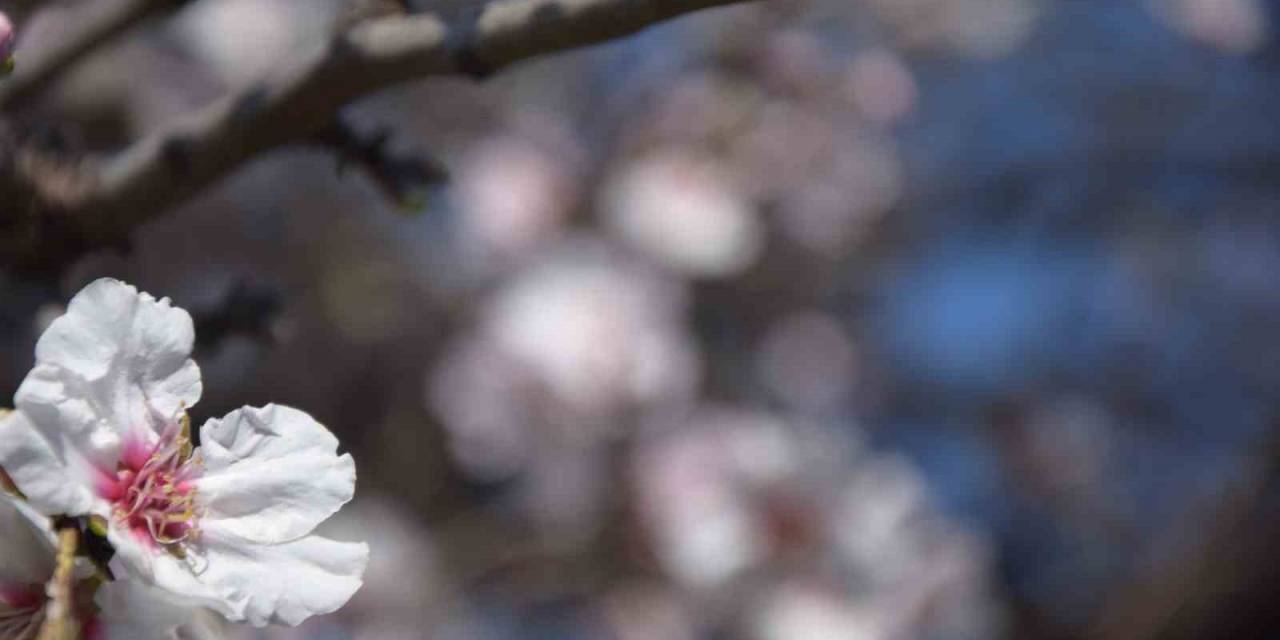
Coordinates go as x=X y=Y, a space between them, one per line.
x=100 y=430
x=130 y=610
x=26 y=564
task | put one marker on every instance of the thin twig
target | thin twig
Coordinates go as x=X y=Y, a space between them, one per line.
x=403 y=178
x=104 y=22
x=60 y=620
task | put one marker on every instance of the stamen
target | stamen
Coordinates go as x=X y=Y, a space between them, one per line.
x=154 y=494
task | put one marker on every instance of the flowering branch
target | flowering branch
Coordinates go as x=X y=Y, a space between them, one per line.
x=78 y=204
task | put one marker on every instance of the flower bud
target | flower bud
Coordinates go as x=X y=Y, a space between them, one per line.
x=8 y=38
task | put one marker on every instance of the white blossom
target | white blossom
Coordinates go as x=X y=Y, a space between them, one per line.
x=26 y=564
x=100 y=430
x=134 y=610
x=27 y=559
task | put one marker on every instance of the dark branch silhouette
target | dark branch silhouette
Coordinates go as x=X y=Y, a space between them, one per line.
x=56 y=207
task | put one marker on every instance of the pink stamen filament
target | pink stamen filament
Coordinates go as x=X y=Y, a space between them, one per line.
x=154 y=494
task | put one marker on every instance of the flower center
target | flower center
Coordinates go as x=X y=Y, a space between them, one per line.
x=21 y=612
x=153 y=491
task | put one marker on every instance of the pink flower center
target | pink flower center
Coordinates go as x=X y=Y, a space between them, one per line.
x=153 y=490
x=21 y=611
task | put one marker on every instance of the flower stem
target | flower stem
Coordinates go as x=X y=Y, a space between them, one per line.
x=60 y=622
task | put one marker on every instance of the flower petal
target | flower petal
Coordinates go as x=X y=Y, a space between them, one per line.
x=287 y=583
x=133 y=610
x=26 y=545
x=180 y=579
x=117 y=361
x=270 y=475
x=55 y=479
x=282 y=583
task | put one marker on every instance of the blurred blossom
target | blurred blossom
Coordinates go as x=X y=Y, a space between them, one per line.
x=511 y=194
x=723 y=489
x=704 y=531
x=863 y=180
x=699 y=107
x=761 y=450
x=923 y=571
x=808 y=361
x=403 y=591
x=879 y=520
x=559 y=352
x=784 y=147
x=240 y=40
x=831 y=540
x=881 y=86
x=1232 y=26
x=609 y=209
x=683 y=210
x=796 y=61
x=983 y=28
x=478 y=393
x=811 y=612
x=595 y=332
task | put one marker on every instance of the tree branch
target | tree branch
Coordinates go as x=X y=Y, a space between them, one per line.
x=103 y=23
x=60 y=619
x=95 y=202
x=403 y=178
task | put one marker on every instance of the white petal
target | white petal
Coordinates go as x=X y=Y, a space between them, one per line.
x=132 y=610
x=26 y=545
x=109 y=324
x=270 y=475
x=283 y=583
x=55 y=479
x=287 y=583
x=179 y=578
x=117 y=361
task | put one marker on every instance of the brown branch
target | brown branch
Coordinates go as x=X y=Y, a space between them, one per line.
x=103 y=22
x=403 y=178
x=19 y=11
x=92 y=203
x=60 y=619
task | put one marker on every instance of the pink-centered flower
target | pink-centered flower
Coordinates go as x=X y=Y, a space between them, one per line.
x=123 y=610
x=100 y=430
x=26 y=564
